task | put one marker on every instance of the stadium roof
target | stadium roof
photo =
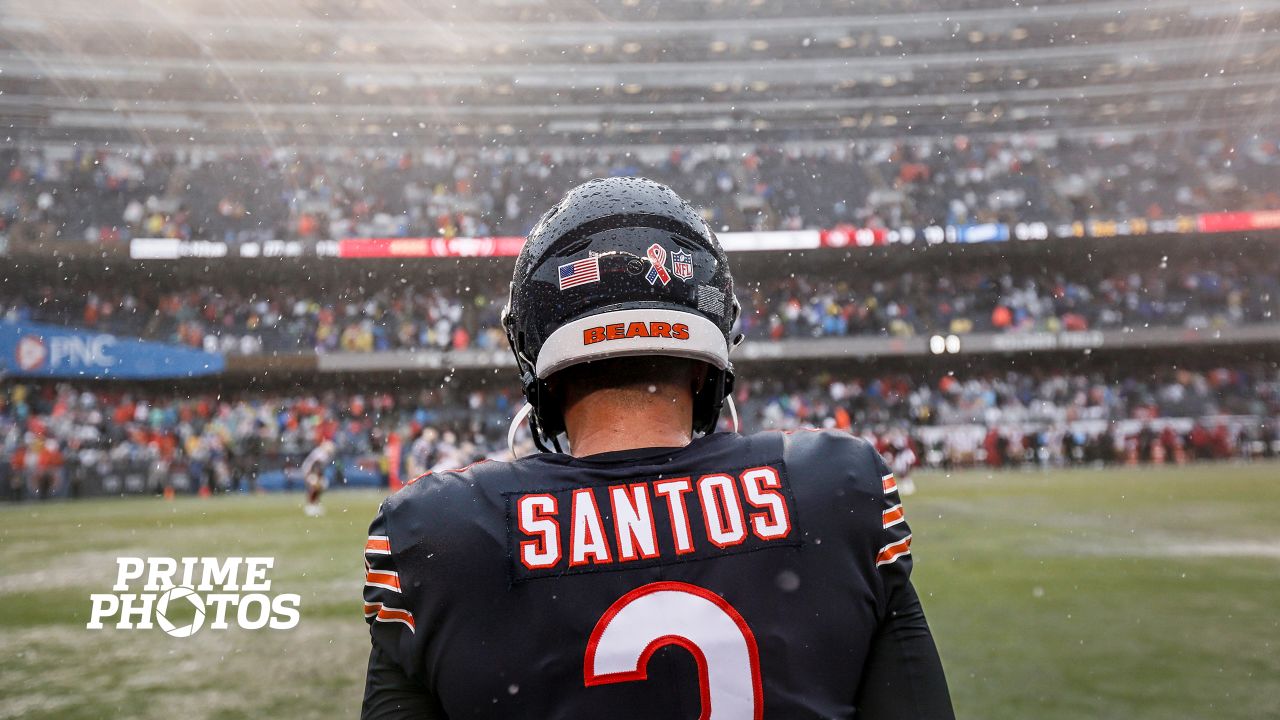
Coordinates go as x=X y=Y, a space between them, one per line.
x=304 y=68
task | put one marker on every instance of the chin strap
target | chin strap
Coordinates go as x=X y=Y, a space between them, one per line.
x=535 y=431
x=733 y=411
x=515 y=425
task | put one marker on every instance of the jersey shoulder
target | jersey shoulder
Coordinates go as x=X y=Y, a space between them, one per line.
x=845 y=483
x=435 y=482
x=834 y=456
x=435 y=500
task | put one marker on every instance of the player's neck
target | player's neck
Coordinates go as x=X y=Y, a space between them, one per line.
x=608 y=421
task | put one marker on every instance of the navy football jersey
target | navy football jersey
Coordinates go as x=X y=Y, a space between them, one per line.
x=738 y=577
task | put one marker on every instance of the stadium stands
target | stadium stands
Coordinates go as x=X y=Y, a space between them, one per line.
x=61 y=439
x=357 y=317
x=108 y=196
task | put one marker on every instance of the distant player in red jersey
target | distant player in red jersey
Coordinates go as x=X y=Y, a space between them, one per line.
x=658 y=569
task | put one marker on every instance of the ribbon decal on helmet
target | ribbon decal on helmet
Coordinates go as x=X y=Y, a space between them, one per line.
x=657 y=265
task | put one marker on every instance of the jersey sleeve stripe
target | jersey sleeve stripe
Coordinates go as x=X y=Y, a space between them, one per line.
x=376 y=611
x=892 y=516
x=378 y=545
x=389 y=615
x=890 y=485
x=388 y=579
x=891 y=552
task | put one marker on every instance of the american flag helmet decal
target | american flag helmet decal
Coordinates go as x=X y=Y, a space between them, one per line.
x=579 y=272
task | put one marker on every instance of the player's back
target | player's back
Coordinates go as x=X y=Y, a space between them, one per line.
x=736 y=577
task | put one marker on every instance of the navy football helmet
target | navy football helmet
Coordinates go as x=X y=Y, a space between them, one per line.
x=620 y=267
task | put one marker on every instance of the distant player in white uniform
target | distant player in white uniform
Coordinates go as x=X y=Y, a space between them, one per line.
x=313 y=473
x=902 y=461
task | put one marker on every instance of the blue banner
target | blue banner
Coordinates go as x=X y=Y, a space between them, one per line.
x=38 y=350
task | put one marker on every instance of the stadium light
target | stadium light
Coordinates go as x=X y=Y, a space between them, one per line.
x=939 y=345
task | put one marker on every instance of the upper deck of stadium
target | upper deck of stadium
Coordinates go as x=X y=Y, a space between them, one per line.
x=573 y=72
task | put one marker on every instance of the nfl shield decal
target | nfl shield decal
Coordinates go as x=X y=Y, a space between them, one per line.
x=682 y=264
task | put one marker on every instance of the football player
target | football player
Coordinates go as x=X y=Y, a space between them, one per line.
x=651 y=567
x=313 y=468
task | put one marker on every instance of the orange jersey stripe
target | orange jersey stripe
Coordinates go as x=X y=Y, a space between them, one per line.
x=380 y=578
x=376 y=544
x=382 y=613
x=387 y=614
x=892 y=516
x=890 y=485
x=893 y=551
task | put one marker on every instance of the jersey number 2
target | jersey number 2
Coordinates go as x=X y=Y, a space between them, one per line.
x=675 y=613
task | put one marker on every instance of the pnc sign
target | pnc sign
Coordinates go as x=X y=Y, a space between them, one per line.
x=93 y=351
x=75 y=352
x=41 y=350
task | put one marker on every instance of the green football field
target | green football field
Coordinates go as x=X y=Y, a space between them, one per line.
x=1071 y=594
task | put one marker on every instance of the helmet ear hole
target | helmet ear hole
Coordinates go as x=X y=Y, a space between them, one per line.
x=709 y=399
x=548 y=409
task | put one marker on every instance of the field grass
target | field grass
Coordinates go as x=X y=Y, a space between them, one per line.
x=1083 y=594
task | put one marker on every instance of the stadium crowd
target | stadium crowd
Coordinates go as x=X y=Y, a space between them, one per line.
x=355 y=318
x=1191 y=294
x=111 y=195
x=58 y=438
